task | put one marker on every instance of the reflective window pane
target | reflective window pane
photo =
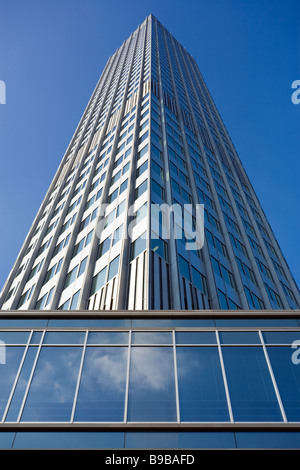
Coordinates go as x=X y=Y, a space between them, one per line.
x=68 y=440
x=286 y=368
x=10 y=361
x=101 y=394
x=281 y=337
x=268 y=440
x=151 y=337
x=14 y=337
x=151 y=384
x=200 y=384
x=239 y=337
x=196 y=337
x=250 y=386
x=36 y=337
x=64 y=337
x=108 y=337
x=179 y=440
x=51 y=393
x=17 y=399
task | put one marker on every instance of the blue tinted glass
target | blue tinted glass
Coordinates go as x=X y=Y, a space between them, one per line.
x=286 y=368
x=151 y=440
x=14 y=337
x=268 y=440
x=196 y=337
x=250 y=387
x=17 y=322
x=90 y=323
x=51 y=392
x=151 y=384
x=200 y=383
x=172 y=322
x=20 y=389
x=69 y=440
x=151 y=337
x=101 y=394
x=64 y=337
x=36 y=337
x=179 y=440
x=206 y=440
x=280 y=337
x=108 y=337
x=6 y=439
x=10 y=359
x=113 y=268
x=256 y=322
x=239 y=337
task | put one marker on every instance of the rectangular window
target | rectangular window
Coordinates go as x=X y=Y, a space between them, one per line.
x=98 y=281
x=113 y=268
x=71 y=276
x=141 y=189
x=148 y=401
x=184 y=267
x=138 y=246
x=201 y=389
x=252 y=394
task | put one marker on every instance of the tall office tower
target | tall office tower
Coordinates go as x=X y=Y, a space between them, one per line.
x=114 y=333
x=150 y=135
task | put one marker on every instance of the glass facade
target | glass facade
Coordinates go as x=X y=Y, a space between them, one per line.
x=169 y=374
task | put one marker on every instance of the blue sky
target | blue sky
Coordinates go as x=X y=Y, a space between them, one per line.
x=53 y=52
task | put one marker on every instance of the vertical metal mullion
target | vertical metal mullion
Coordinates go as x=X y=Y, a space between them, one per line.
x=176 y=378
x=127 y=378
x=224 y=378
x=273 y=377
x=17 y=377
x=30 y=378
x=79 y=376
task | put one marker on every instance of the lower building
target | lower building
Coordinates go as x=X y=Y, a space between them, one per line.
x=150 y=379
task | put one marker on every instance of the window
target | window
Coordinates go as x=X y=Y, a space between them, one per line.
x=53 y=380
x=26 y=296
x=82 y=266
x=78 y=247
x=201 y=385
x=138 y=246
x=254 y=302
x=140 y=170
x=102 y=400
x=146 y=400
x=142 y=152
x=52 y=271
x=113 y=196
x=274 y=297
x=117 y=235
x=113 y=268
x=71 y=276
x=252 y=394
x=160 y=247
x=157 y=189
x=123 y=186
x=223 y=272
x=141 y=189
x=109 y=218
x=98 y=281
x=184 y=267
x=199 y=280
x=104 y=247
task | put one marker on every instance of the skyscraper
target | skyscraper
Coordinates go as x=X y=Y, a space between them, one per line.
x=117 y=232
